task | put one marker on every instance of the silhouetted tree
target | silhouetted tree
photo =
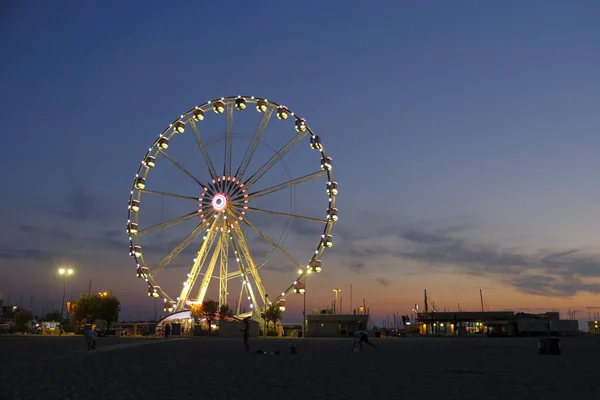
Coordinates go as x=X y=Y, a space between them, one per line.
x=22 y=317
x=273 y=313
x=92 y=307
x=109 y=308
x=224 y=310
x=209 y=310
x=52 y=316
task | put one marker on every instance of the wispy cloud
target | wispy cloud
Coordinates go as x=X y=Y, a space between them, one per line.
x=556 y=272
x=383 y=281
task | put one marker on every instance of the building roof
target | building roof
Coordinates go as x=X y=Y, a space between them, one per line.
x=185 y=314
x=337 y=317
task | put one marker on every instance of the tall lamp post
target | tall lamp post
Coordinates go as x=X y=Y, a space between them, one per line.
x=336 y=300
x=303 y=291
x=65 y=273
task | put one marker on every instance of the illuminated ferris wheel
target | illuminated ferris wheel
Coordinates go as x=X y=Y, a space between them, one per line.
x=215 y=214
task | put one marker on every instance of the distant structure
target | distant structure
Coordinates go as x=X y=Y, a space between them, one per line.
x=593 y=327
x=495 y=323
x=321 y=325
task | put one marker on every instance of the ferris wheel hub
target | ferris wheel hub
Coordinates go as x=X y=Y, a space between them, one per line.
x=219 y=202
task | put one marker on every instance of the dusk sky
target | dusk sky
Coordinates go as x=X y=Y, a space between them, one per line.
x=464 y=137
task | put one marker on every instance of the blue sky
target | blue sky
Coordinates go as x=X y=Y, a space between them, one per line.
x=466 y=129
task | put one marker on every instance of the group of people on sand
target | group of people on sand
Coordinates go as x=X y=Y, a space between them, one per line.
x=360 y=337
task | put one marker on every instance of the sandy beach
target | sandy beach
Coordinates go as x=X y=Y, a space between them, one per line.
x=213 y=368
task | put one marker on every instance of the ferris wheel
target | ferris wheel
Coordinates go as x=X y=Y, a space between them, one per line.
x=217 y=217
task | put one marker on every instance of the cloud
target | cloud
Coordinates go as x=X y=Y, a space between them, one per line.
x=27 y=254
x=80 y=203
x=383 y=281
x=554 y=272
x=357 y=266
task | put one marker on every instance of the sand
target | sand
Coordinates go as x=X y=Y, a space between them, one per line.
x=213 y=368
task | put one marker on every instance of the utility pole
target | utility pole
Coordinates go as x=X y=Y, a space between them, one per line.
x=426 y=301
x=481 y=297
x=351 y=310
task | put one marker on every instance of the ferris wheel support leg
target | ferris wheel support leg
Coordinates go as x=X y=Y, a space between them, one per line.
x=199 y=261
x=247 y=286
x=239 y=304
x=224 y=248
x=243 y=245
x=209 y=272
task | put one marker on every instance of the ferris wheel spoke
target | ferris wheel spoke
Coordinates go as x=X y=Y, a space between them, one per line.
x=182 y=168
x=177 y=250
x=168 y=223
x=202 y=146
x=323 y=221
x=273 y=243
x=228 y=138
x=254 y=142
x=169 y=194
x=201 y=256
x=275 y=158
x=239 y=238
x=287 y=184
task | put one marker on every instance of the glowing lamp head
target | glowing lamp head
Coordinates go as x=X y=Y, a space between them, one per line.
x=219 y=202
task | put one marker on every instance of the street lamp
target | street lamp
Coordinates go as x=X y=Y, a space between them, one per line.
x=336 y=299
x=66 y=273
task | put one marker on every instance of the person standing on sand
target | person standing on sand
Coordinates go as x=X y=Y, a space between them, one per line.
x=361 y=337
x=246 y=331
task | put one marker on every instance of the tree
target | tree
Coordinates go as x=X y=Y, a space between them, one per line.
x=92 y=307
x=86 y=307
x=196 y=313
x=210 y=308
x=22 y=318
x=52 y=316
x=273 y=313
x=109 y=308
x=225 y=311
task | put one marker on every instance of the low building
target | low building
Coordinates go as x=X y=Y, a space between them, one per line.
x=495 y=323
x=335 y=325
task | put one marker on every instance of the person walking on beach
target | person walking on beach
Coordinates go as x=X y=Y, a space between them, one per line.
x=361 y=337
x=246 y=331
x=90 y=337
x=167 y=331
